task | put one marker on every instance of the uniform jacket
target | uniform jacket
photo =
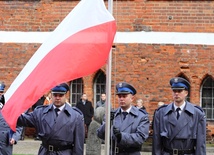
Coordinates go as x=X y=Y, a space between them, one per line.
x=87 y=110
x=66 y=129
x=134 y=129
x=5 y=135
x=187 y=132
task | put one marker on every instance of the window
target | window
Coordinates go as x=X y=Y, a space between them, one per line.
x=208 y=97
x=76 y=91
x=99 y=86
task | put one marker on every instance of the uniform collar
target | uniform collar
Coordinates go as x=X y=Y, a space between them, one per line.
x=65 y=106
x=132 y=110
x=128 y=110
x=60 y=108
x=188 y=107
x=181 y=107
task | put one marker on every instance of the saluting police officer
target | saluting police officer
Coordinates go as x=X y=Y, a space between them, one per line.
x=179 y=127
x=130 y=125
x=59 y=126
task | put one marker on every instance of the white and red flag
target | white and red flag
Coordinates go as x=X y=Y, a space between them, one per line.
x=79 y=46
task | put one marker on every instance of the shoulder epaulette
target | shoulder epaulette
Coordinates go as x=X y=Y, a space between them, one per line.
x=163 y=106
x=76 y=109
x=199 y=108
x=143 y=111
x=41 y=106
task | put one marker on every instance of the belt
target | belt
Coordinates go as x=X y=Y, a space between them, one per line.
x=52 y=148
x=179 y=152
x=127 y=150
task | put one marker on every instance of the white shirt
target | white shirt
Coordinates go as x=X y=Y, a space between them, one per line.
x=181 y=107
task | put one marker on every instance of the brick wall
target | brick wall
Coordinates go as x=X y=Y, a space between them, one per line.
x=147 y=66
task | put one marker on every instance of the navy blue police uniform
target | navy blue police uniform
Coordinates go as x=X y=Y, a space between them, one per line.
x=133 y=130
x=185 y=135
x=60 y=135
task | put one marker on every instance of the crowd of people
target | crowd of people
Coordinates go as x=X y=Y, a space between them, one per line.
x=179 y=128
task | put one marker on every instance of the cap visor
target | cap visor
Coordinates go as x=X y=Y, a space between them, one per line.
x=58 y=92
x=178 y=88
x=122 y=93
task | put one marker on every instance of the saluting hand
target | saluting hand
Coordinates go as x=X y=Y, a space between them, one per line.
x=117 y=134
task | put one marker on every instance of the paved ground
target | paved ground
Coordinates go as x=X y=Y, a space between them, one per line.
x=30 y=147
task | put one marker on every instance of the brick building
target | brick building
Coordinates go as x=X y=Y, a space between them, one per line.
x=171 y=38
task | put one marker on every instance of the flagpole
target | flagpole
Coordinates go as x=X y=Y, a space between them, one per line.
x=108 y=92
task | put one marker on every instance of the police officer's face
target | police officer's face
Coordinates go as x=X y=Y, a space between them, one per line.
x=125 y=100
x=179 y=96
x=58 y=99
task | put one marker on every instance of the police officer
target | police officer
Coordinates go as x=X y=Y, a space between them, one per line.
x=179 y=127
x=59 y=126
x=130 y=125
x=7 y=137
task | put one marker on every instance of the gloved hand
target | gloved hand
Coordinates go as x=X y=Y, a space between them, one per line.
x=117 y=134
x=112 y=115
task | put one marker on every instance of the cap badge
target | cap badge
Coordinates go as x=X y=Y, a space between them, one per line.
x=120 y=84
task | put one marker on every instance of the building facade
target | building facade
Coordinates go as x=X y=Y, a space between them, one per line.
x=147 y=65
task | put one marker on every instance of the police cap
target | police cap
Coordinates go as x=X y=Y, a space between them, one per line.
x=178 y=83
x=60 y=89
x=125 y=88
x=2 y=86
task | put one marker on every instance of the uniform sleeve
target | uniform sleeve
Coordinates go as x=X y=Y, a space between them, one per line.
x=27 y=119
x=201 y=136
x=138 y=137
x=79 y=136
x=17 y=135
x=156 y=142
x=101 y=131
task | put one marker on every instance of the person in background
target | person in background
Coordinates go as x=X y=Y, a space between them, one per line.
x=7 y=137
x=160 y=104
x=179 y=127
x=130 y=127
x=2 y=100
x=152 y=123
x=59 y=126
x=87 y=109
x=102 y=102
x=140 y=104
x=47 y=100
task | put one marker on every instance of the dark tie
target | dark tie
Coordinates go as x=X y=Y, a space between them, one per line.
x=124 y=114
x=178 y=114
x=56 y=111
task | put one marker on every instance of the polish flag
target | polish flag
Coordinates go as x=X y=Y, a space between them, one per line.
x=79 y=46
